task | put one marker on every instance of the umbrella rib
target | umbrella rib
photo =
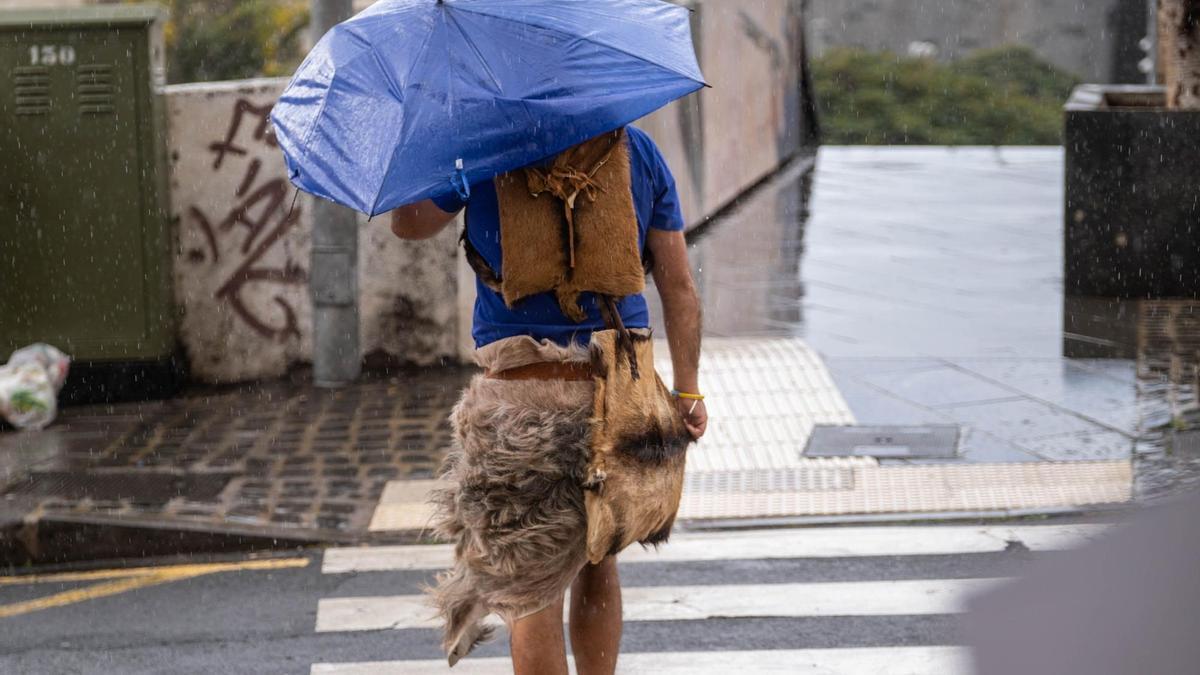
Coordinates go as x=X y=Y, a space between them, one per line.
x=420 y=56
x=499 y=89
x=393 y=85
x=462 y=8
x=421 y=52
x=312 y=128
x=497 y=86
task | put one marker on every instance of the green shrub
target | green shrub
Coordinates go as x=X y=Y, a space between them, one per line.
x=1005 y=96
x=234 y=39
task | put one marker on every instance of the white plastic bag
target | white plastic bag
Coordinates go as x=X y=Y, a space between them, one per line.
x=29 y=385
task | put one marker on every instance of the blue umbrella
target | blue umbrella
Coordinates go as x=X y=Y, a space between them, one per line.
x=414 y=99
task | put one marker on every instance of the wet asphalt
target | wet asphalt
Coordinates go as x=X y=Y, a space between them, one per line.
x=263 y=621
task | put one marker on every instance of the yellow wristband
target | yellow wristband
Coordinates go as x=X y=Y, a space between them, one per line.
x=683 y=394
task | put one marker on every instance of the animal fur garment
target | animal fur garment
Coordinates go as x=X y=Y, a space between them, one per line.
x=639 y=444
x=513 y=505
x=571 y=227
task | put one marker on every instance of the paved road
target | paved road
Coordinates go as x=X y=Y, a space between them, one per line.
x=831 y=600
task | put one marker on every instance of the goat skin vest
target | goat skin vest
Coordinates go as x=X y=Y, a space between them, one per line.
x=569 y=227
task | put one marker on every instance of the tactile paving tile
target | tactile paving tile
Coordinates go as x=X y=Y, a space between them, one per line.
x=848 y=487
x=404 y=506
x=764 y=396
x=874 y=489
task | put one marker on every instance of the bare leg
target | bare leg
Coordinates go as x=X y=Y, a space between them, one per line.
x=537 y=643
x=596 y=618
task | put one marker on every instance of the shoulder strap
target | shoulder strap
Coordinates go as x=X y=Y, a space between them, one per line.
x=612 y=319
x=481 y=267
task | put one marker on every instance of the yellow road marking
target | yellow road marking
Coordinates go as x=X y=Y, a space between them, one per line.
x=80 y=594
x=128 y=580
x=97 y=575
x=203 y=568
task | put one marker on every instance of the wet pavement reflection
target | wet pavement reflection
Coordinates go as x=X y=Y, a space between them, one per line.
x=930 y=280
x=1168 y=366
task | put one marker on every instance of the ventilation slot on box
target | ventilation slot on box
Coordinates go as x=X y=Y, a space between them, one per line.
x=94 y=89
x=31 y=87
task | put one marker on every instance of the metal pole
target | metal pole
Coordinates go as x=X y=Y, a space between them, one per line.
x=1151 y=46
x=333 y=276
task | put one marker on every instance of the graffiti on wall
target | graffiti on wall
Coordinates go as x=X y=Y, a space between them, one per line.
x=261 y=214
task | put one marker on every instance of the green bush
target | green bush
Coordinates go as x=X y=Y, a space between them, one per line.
x=1005 y=96
x=234 y=39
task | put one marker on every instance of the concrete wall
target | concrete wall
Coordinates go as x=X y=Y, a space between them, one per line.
x=243 y=251
x=1095 y=39
x=727 y=137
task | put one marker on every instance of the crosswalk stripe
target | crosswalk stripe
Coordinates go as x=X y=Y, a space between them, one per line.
x=874 y=660
x=765 y=544
x=697 y=603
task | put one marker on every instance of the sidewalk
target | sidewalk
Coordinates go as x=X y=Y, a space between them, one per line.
x=271 y=464
x=768 y=394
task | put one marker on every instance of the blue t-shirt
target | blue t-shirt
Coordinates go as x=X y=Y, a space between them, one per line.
x=656 y=204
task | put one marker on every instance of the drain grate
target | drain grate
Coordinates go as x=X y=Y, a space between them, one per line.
x=887 y=441
x=135 y=488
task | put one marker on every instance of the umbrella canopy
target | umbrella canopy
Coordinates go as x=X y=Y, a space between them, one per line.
x=413 y=99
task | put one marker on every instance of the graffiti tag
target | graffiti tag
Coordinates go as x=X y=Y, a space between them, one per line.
x=262 y=216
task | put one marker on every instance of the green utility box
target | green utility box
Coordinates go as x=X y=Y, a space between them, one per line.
x=84 y=241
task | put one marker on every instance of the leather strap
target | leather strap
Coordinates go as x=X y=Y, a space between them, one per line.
x=546 y=370
x=567 y=182
x=612 y=319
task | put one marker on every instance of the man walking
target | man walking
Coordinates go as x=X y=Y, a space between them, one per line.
x=546 y=244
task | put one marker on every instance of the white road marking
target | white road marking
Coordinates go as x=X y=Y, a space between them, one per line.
x=876 y=661
x=832 y=542
x=697 y=603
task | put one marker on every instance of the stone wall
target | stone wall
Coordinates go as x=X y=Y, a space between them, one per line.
x=1096 y=40
x=243 y=246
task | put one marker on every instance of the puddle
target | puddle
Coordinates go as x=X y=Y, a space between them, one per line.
x=1168 y=368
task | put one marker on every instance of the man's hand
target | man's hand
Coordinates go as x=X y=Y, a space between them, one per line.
x=681 y=313
x=695 y=416
x=419 y=221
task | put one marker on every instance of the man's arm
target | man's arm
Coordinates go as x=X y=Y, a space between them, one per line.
x=419 y=221
x=681 y=313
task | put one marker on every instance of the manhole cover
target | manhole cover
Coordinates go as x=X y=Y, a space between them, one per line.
x=888 y=441
x=136 y=488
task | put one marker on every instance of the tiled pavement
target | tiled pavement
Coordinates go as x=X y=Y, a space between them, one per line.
x=282 y=458
x=1013 y=410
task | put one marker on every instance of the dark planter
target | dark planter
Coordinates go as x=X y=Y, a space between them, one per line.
x=1132 y=194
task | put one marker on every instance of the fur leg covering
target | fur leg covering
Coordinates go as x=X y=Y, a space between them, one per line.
x=513 y=503
x=639 y=450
